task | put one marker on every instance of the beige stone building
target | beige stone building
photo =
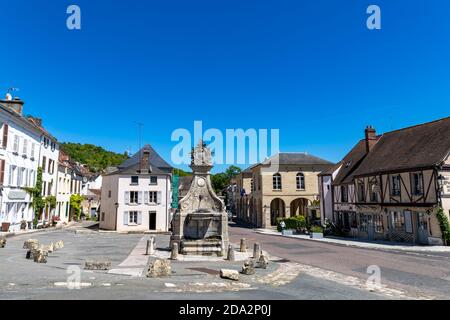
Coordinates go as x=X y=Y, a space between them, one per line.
x=282 y=186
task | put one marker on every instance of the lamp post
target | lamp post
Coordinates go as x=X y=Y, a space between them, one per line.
x=440 y=181
x=117 y=210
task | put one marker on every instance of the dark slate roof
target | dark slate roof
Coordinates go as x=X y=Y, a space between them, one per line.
x=350 y=162
x=420 y=146
x=157 y=165
x=298 y=158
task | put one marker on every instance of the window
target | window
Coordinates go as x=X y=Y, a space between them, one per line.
x=251 y=185
x=395 y=185
x=153 y=180
x=44 y=163
x=378 y=222
x=134 y=180
x=109 y=194
x=5 y=136
x=133 y=217
x=134 y=197
x=12 y=170
x=373 y=192
x=16 y=144
x=363 y=221
x=417 y=183
x=300 y=181
x=398 y=220
x=344 y=194
x=53 y=146
x=32 y=150
x=360 y=188
x=153 y=197
x=25 y=147
x=51 y=166
x=353 y=222
x=276 y=181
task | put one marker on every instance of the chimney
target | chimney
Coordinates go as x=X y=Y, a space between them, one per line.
x=371 y=138
x=145 y=161
x=14 y=104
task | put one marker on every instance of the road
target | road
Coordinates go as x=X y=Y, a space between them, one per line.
x=420 y=274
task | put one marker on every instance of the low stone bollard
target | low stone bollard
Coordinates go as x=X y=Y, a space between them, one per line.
x=174 y=251
x=159 y=268
x=97 y=265
x=39 y=255
x=58 y=245
x=30 y=244
x=243 y=247
x=256 y=251
x=262 y=262
x=230 y=255
x=229 y=274
x=50 y=248
x=249 y=267
x=2 y=242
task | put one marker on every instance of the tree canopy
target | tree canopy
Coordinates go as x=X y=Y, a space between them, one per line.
x=95 y=157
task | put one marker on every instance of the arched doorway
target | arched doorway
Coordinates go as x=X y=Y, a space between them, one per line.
x=298 y=207
x=277 y=210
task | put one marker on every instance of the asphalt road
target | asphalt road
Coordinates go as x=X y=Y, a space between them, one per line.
x=417 y=273
x=23 y=279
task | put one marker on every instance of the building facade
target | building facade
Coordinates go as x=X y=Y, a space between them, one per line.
x=19 y=159
x=266 y=194
x=137 y=196
x=390 y=187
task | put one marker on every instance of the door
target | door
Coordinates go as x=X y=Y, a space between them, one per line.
x=152 y=220
x=422 y=228
x=370 y=227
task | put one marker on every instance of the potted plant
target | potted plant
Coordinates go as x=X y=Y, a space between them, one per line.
x=5 y=226
x=55 y=220
x=316 y=232
x=23 y=225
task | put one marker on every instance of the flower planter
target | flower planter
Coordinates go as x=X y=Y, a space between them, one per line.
x=5 y=226
x=316 y=235
x=287 y=232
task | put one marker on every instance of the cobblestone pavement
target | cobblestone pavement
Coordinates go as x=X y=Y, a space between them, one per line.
x=24 y=279
x=403 y=275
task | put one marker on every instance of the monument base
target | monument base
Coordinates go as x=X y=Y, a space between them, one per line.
x=205 y=247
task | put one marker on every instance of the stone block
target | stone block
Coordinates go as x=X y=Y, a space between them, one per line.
x=229 y=274
x=230 y=256
x=2 y=242
x=59 y=245
x=30 y=244
x=262 y=262
x=159 y=268
x=249 y=267
x=97 y=265
x=50 y=248
x=39 y=255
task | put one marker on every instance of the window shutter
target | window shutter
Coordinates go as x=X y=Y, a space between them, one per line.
x=125 y=218
x=5 y=136
x=146 y=197
x=127 y=197
x=158 y=197
x=139 y=217
x=2 y=171
x=140 y=197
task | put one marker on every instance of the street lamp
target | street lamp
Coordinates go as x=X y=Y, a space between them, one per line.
x=117 y=209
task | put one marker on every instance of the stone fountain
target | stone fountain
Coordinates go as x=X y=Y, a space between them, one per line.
x=200 y=225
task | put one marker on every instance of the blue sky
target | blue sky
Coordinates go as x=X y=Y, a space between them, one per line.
x=308 y=68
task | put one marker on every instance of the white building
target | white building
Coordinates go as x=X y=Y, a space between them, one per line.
x=19 y=159
x=137 y=195
x=48 y=161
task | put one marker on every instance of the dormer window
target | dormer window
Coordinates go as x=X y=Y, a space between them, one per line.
x=153 y=180
x=134 y=179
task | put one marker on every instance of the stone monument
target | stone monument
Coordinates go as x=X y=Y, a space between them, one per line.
x=200 y=225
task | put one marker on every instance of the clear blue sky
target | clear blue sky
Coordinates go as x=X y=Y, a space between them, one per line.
x=309 y=68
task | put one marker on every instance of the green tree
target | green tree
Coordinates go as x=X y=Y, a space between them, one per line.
x=232 y=171
x=75 y=204
x=95 y=157
x=37 y=201
x=219 y=181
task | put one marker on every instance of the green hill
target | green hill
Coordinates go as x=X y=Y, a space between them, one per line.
x=95 y=157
